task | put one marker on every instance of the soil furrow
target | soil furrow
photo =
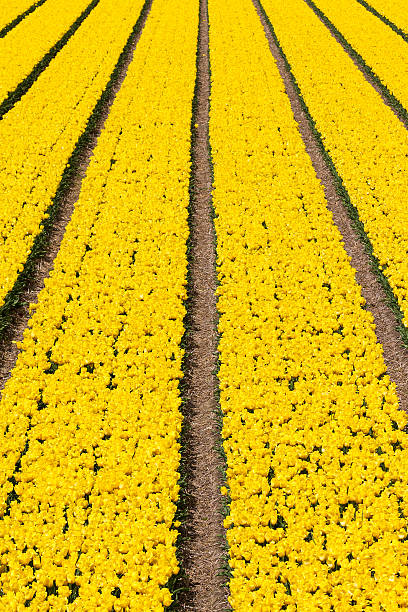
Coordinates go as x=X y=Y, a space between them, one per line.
x=202 y=533
x=377 y=297
x=14 y=315
x=22 y=88
x=384 y=19
x=387 y=97
x=10 y=26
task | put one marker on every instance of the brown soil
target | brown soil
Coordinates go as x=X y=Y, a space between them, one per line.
x=202 y=547
x=395 y=353
x=44 y=264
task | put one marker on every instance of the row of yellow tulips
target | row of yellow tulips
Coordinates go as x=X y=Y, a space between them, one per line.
x=26 y=44
x=383 y=50
x=93 y=404
x=394 y=10
x=316 y=456
x=364 y=138
x=11 y=9
x=39 y=134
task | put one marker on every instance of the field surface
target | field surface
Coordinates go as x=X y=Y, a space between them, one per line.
x=204 y=305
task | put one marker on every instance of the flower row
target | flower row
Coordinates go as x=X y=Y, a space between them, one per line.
x=316 y=457
x=394 y=10
x=383 y=50
x=12 y=9
x=39 y=134
x=91 y=414
x=26 y=44
x=364 y=138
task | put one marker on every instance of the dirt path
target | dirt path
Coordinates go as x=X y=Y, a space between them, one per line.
x=202 y=532
x=395 y=353
x=64 y=202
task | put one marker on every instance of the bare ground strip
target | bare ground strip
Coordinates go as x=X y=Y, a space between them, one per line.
x=41 y=259
x=202 y=533
x=377 y=300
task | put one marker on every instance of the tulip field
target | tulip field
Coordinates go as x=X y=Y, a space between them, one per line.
x=105 y=138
